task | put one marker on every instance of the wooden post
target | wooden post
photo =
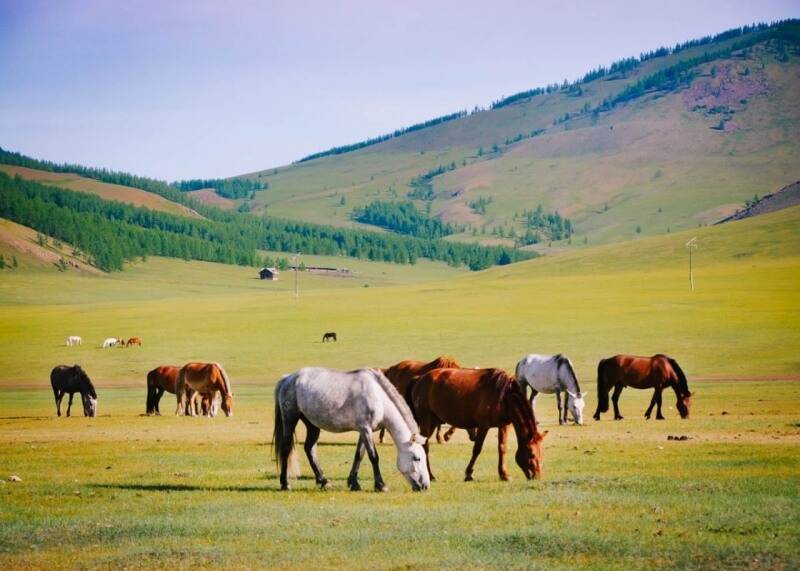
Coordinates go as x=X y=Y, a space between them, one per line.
x=691 y=244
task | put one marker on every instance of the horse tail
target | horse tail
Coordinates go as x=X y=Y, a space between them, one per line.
x=151 y=391
x=292 y=463
x=602 y=392
x=683 y=384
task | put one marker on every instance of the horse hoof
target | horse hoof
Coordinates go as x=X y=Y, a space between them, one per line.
x=382 y=488
x=355 y=487
x=468 y=478
x=286 y=488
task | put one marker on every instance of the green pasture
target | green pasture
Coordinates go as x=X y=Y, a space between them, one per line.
x=125 y=490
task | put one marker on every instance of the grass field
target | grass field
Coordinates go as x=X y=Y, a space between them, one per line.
x=124 y=490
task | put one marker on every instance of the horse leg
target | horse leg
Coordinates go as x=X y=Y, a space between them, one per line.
x=157 y=399
x=562 y=407
x=449 y=434
x=656 y=400
x=502 y=438
x=534 y=394
x=426 y=428
x=480 y=436
x=615 y=400
x=352 y=479
x=312 y=437
x=381 y=435
x=69 y=404
x=366 y=441
x=59 y=395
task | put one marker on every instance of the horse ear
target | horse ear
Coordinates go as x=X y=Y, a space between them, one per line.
x=542 y=435
x=418 y=439
x=584 y=393
x=691 y=394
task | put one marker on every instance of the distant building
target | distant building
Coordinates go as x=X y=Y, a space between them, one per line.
x=268 y=274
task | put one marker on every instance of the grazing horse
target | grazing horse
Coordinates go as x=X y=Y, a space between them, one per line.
x=330 y=335
x=134 y=341
x=74 y=340
x=110 y=342
x=552 y=374
x=65 y=379
x=163 y=379
x=656 y=372
x=341 y=401
x=404 y=373
x=204 y=378
x=480 y=399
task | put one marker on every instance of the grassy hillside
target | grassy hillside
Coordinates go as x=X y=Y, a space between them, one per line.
x=669 y=160
x=740 y=320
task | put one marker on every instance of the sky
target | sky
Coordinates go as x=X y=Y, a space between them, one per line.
x=187 y=89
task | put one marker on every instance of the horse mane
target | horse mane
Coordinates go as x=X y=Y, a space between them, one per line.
x=683 y=384
x=396 y=399
x=82 y=374
x=503 y=381
x=225 y=378
x=561 y=360
x=444 y=362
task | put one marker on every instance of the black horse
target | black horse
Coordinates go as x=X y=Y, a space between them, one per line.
x=72 y=380
x=328 y=336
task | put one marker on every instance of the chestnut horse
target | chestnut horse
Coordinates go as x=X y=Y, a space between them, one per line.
x=204 y=378
x=134 y=341
x=163 y=379
x=403 y=373
x=480 y=399
x=656 y=372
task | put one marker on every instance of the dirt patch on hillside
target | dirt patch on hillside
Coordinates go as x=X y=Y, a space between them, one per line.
x=210 y=197
x=785 y=198
x=23 y=240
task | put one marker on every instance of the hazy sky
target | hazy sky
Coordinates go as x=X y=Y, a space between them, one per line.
x=180 y=89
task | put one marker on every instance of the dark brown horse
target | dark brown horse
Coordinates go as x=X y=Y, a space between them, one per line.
x=480 y=399
x=404 y=373
x=206 y=379
x=657 y=372
x=162 y=379
x=330 y=335
x=65 y=379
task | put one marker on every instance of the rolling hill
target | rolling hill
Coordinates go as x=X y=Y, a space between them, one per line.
x=675 y=139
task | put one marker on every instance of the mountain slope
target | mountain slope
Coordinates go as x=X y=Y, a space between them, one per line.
x=671 y=158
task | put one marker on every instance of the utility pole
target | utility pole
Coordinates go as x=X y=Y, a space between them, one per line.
x=296 y=271
x=691 y=244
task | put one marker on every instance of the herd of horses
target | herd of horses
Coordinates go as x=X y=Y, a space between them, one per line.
x=411 y=400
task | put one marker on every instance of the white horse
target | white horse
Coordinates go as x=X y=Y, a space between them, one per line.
x=553 y=374
x=110 y=342
x=74 y=340
x=339 y=401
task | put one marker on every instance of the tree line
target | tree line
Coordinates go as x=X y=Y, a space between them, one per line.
x=232 y=188
x=403 y=218
x=110 y=233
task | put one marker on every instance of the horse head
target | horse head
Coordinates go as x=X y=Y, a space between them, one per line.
x=576 y=404
x=412 y=463
x=227 y=404
x=88 y=394
x=529 y=456
x=684 y=404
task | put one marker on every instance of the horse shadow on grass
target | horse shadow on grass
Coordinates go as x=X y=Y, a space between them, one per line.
x=192 y=488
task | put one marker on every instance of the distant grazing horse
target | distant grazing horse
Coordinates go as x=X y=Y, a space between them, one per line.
x=656 y=372
x=134 y=341
x=65 y=379
x=204 y=378
x=163 y=379
x=340 y=401
x=74 y=340
x=330 y=335
x=110 y=342
x=404 y=373
x=480 y=399
x=552 y=374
